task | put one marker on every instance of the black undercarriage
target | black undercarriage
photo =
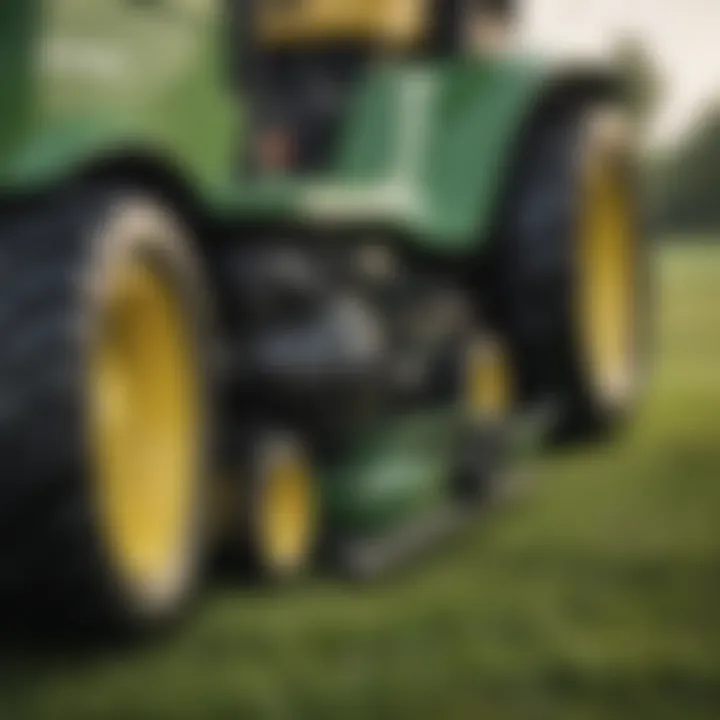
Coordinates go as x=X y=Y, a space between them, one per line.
x=329 y=337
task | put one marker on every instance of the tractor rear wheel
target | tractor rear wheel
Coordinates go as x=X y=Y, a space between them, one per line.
x=572 y=272
x=102 y=412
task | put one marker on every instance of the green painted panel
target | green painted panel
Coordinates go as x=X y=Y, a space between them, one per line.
x=425 y=151
x=434 y=141
x=111 y=75
x=396 y=470
x=19 y=24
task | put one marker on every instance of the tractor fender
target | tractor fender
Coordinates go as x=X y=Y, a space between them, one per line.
x=85 y=148
x=472 y=167
x=470 y=194
x=431 y=149
x=557 y=90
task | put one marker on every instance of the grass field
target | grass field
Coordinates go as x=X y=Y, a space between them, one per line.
x=597 y=596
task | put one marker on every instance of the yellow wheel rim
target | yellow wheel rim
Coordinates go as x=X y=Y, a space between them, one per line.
x=144 y=412
x=490 y=391
x=287 y=510
x=607 y=282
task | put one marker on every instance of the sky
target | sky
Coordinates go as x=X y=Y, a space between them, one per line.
x=683 y=37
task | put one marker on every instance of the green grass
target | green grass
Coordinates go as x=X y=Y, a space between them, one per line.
x=597 y=596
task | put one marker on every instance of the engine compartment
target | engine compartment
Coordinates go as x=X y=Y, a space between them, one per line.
x=329 y=337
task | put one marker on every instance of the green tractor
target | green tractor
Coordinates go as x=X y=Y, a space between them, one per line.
x=291 y=282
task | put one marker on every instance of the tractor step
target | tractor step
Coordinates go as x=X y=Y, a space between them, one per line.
x=368 y=558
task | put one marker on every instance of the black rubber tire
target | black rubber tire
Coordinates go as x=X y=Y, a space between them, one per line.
x=55 y=571
x=534 y=279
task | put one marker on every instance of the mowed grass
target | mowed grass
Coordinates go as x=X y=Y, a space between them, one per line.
x=597 y=595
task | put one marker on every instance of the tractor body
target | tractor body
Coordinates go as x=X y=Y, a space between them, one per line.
x=346 y=178
x=157 y=83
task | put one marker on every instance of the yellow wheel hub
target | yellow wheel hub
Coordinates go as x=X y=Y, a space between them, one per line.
x=287 y=513
x=606 y=282
x=490 y=392
x=144 y=413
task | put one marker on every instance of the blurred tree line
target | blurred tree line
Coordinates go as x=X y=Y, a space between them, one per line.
x=684 y=187
x=682 y=183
